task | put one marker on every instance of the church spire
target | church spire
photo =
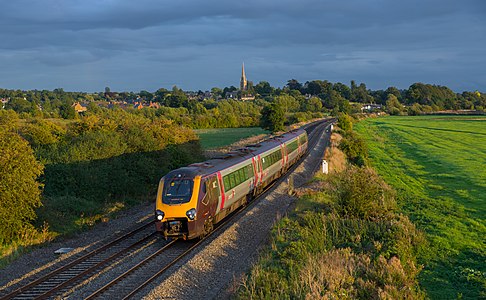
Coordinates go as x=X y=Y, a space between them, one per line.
x=243 y=82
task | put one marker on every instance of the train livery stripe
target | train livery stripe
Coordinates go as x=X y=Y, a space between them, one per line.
x=221 y=186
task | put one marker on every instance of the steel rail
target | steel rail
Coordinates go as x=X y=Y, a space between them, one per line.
x=77 y=261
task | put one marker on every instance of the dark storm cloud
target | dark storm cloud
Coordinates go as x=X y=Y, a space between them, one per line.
x=131 y=45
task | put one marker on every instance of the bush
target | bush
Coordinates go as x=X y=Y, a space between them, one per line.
x=19 y=189
x=345 y=122
x=344 y=241
x=355 y=148
x=361 y=193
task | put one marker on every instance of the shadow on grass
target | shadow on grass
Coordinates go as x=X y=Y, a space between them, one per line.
x=454 y=265
x=439 y=129
x=77 y=195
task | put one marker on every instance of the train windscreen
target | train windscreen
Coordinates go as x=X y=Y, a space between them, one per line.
x=177 y=190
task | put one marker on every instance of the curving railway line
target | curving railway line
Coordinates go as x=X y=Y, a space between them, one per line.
x=153 y=260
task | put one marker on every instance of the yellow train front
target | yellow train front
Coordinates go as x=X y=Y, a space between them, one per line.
x=176 y=206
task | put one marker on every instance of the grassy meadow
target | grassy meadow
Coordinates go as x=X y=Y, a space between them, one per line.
x=219 y=137
x=437 y=165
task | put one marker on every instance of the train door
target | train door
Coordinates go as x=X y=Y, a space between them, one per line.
x=210 y=197
x=213 y=196
x=285 y=158
x=260 y=170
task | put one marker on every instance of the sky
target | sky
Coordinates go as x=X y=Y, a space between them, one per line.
x=127 y=45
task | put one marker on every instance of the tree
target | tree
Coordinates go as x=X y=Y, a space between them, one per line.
x=393 y=106
x=217 y=92
x=19 y=189
x=272 y=118
x=345 y=122
x=359 y=93
x=177 y=98
x=263 y=88
x=293 y=84
x=415 y=110
x=287 y=103
x=67 y=110
x=342 y=89
x=146 y=95
x=314 y=104
x=19 y=104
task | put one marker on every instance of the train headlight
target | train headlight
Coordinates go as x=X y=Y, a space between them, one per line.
x=159 y=215
x=191 y=214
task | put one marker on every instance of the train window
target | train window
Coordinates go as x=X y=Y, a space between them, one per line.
x=249 y=171
x=232 y=180
x=237 y=178
x=271 y=159
x=293 y=146
x=242 y=172
x=226 y=183
x=177 y=190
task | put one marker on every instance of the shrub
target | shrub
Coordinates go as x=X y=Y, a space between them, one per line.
x=19 y=189
x=345 y=122
x=355 y=148
x=361 y=193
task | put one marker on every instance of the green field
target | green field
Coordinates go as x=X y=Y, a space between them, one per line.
x=215 y=138
x=438 y=167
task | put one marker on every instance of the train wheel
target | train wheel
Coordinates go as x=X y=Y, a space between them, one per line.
x=249 y=198
x=208 y=226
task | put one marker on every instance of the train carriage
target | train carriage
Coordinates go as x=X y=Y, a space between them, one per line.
x=192 y=199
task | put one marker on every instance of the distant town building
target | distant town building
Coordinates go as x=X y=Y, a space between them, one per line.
x=4 y=101
x=243 y=81
x=79 y=108
x=154 y=105
x=232 y=95
x=138 y=105
x=245 y=94
x=371 y=107
x=247 y=97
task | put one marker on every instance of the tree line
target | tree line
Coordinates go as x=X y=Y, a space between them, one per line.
x=198 y=109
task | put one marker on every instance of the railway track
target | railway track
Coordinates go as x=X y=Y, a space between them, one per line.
x=64 y=277
x=141 y=274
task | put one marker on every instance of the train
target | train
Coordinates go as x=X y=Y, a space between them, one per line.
x=192 y=199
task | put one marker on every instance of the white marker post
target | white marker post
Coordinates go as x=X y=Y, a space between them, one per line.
x=325 y=167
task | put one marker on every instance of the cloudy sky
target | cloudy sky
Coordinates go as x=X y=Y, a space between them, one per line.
x=86 y=45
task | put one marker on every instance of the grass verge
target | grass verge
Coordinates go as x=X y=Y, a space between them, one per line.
x=344 y=240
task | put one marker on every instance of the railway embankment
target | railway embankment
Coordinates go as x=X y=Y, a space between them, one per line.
x=344 y=237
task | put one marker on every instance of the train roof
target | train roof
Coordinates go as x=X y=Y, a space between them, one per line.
x=237 y=156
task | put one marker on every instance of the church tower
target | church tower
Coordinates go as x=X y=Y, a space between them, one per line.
x=243 y=82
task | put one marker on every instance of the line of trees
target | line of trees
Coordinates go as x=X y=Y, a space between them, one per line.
x=199 y=109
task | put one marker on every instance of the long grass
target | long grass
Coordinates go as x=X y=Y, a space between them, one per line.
x=438 y=167
x=330 y=248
